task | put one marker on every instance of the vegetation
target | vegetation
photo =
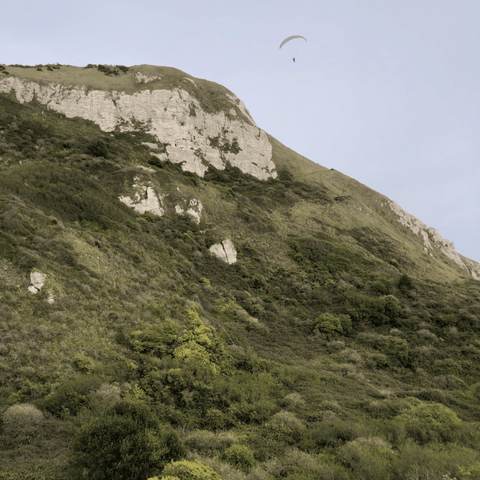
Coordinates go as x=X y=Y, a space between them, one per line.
x=330 y=349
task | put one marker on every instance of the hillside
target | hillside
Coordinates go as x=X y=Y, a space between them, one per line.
x=160 y=253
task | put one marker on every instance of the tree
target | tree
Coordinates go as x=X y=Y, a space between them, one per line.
x=125 y=444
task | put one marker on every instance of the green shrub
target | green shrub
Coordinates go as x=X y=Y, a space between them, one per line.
x=73 y=395
x=332 y=325
x=189 y=470
x=291 y=463
x=369 y=458
x=97 y=148
x=21 y=422
x=83 y=364
x=239 y=456
x=157 y=339
x=395 y=347
x=431 y=422
x=405 y=283
x=286 y=427
x=331 y=433
x=208 y=443
x=127 y=442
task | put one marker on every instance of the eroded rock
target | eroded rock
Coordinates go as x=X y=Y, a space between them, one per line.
x=145 y=200
x=225 y=251
x=37 y=281
x=429 y=234
x=194 y=208
x=191 y=136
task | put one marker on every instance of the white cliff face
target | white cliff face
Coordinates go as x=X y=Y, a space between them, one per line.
x=431 y=236
x=192 y=137
x=225 y=251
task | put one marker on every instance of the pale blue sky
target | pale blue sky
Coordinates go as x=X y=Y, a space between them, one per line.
x=387 y=92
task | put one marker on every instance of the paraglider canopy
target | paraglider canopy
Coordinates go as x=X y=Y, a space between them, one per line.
x=291 y=38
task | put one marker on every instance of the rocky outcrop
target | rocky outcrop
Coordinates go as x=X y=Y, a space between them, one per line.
x=185 y=132
x=145 y=200
x=225 y=251
x=193 y=208
x=431 y=239
x=37 y=281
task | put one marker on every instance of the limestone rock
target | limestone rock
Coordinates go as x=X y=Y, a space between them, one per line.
x=225 y=251
x=191 y=136
x=141 y=78
x=37 y=281
x=145 y=200
x=430 y=235
x=194 y=208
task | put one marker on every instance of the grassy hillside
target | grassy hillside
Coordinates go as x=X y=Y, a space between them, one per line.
x=331 y=349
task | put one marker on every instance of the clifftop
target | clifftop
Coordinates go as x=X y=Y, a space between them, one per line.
x=196 y=123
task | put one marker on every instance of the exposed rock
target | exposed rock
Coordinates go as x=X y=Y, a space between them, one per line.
x=37 y=281
x=225 y=251
x=430 y=235
x=194 y=209
x=473 y=267
x=192 y=137
x=145 y=200
x=147 y=169
x=141 y=78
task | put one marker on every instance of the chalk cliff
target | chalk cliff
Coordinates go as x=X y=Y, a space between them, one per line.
x=186 y=133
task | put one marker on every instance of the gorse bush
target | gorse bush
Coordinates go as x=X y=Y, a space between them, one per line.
x=127 y=442
x=22 y=422
x=432 y=422
x=332 y=325
x=205 y=442
x=285 y=426
x=73 y=395
x=239 y=456
x=83 y=363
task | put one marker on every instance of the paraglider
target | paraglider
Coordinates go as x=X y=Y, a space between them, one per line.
x=291 y=38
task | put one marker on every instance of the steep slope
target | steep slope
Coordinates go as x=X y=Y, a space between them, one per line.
x=286 y=309
x=200 y=124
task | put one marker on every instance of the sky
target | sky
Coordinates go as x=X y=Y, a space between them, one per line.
x=386 y=92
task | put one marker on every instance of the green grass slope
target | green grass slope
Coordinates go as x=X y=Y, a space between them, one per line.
x=330 y=349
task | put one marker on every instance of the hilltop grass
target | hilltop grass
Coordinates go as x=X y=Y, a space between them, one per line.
x=213 y=97
x=324 y=350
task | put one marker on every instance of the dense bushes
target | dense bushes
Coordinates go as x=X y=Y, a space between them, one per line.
x=433 y=422
x=127 y=442
x=188 y=470
x=22 y=422
x=71 y=396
